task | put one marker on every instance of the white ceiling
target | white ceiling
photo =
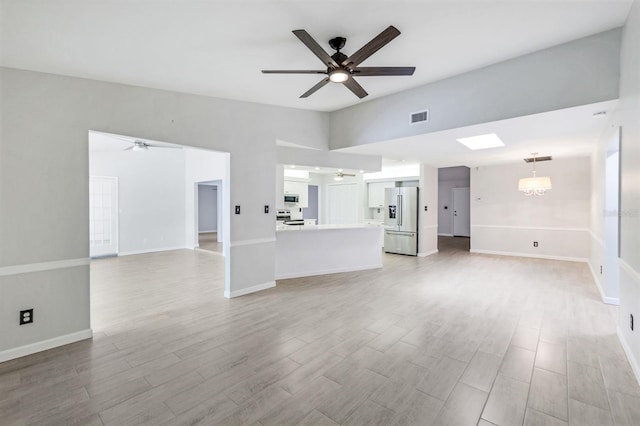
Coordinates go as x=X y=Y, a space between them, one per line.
x=218 y=48
x=571 y=132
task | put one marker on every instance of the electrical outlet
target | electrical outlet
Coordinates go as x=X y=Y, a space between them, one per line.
x=631 y=321
x=26 y=316
x=237 y=209
x=425 y=208
x=535 y=244
x=266 y=209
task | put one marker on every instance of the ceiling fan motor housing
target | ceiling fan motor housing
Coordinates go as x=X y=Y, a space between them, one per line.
x=337 y=43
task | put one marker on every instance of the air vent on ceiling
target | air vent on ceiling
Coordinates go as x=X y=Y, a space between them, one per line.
x=538 y=159
x=420 y=117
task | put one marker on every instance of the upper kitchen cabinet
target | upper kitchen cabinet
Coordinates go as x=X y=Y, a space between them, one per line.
x=301 y=189
x=376 y=193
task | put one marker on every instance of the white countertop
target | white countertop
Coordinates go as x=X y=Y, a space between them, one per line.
x=298 y=228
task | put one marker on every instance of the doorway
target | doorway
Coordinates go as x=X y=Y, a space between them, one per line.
x=454 y=209
x=208 y=218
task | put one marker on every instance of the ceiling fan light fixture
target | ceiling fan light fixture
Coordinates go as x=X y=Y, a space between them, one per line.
x=339 y=75
x=140 y=146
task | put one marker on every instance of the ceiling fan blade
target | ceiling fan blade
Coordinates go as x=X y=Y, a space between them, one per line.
x=315 y=48
x=355 y=88
x=372 y=47
x=128 y=149
x=293 y=72
x=152 y=145
x=374 y=71
x=315 y=88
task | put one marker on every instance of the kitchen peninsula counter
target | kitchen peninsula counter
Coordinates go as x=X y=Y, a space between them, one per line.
x=306 y=250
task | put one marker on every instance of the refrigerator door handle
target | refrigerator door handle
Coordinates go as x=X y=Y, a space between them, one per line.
x=399 y=201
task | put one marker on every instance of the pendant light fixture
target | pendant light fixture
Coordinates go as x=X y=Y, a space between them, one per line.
x=535 y=185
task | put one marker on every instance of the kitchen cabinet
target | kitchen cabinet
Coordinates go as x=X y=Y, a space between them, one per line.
x=301 y=189
x=376 y=193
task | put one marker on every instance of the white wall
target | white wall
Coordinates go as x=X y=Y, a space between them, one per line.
x=150 y=197
x=44 y=187
x=449 y=178
x=428 y=220
x=629 y=119
x=207 y=208
x=505 y=221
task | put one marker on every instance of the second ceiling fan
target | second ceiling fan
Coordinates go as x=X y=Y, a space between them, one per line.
x=342 y=68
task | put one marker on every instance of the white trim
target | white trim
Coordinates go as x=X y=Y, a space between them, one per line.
x=629 y=353
x=605 y=299
x=129 y=253
x=536 y=256
x=535 y=228
x=445 y=235
x=329 y=271
x=249 y=290
x=43 y=345
x=629 y=270
x=429 y=253
x=252 y=242
x=43 y=266
x=206 y=231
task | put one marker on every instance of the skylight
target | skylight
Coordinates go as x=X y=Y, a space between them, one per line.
x=490 y=140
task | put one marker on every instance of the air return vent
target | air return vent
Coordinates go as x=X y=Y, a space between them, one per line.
x=420 y=117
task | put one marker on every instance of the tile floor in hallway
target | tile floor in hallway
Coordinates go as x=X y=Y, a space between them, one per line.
x=451 y=339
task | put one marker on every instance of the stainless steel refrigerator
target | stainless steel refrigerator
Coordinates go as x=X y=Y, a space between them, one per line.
x=401 y=220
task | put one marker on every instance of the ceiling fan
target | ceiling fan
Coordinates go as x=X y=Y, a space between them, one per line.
x=340 y=176
x=342 y=68
x=140 y=145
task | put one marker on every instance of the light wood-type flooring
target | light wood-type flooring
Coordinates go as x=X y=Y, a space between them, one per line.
x=209 y=241
x=451 y=339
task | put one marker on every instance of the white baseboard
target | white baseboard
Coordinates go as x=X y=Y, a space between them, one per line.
x=328 y=271
x=249 y=290
x=627 y=350
x=43 y=345
x=429 y=253
x=208 y=231
x=605 y=299
x=129 y=253
x=445 y=235
x=535 y=256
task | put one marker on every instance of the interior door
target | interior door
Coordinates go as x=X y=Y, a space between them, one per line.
x=103 y=216
x=342 y=204
x=461 y=212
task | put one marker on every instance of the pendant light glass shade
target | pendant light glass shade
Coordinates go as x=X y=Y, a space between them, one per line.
x=534 y=185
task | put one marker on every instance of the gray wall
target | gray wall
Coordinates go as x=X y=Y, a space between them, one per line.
x=576 y=73
x=207 y=208
x=44 y=175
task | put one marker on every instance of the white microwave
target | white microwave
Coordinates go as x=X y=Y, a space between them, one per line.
x=291 y=198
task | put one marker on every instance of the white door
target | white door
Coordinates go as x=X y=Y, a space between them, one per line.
x=342 y=203
x=103 y=216
x=461 y=214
